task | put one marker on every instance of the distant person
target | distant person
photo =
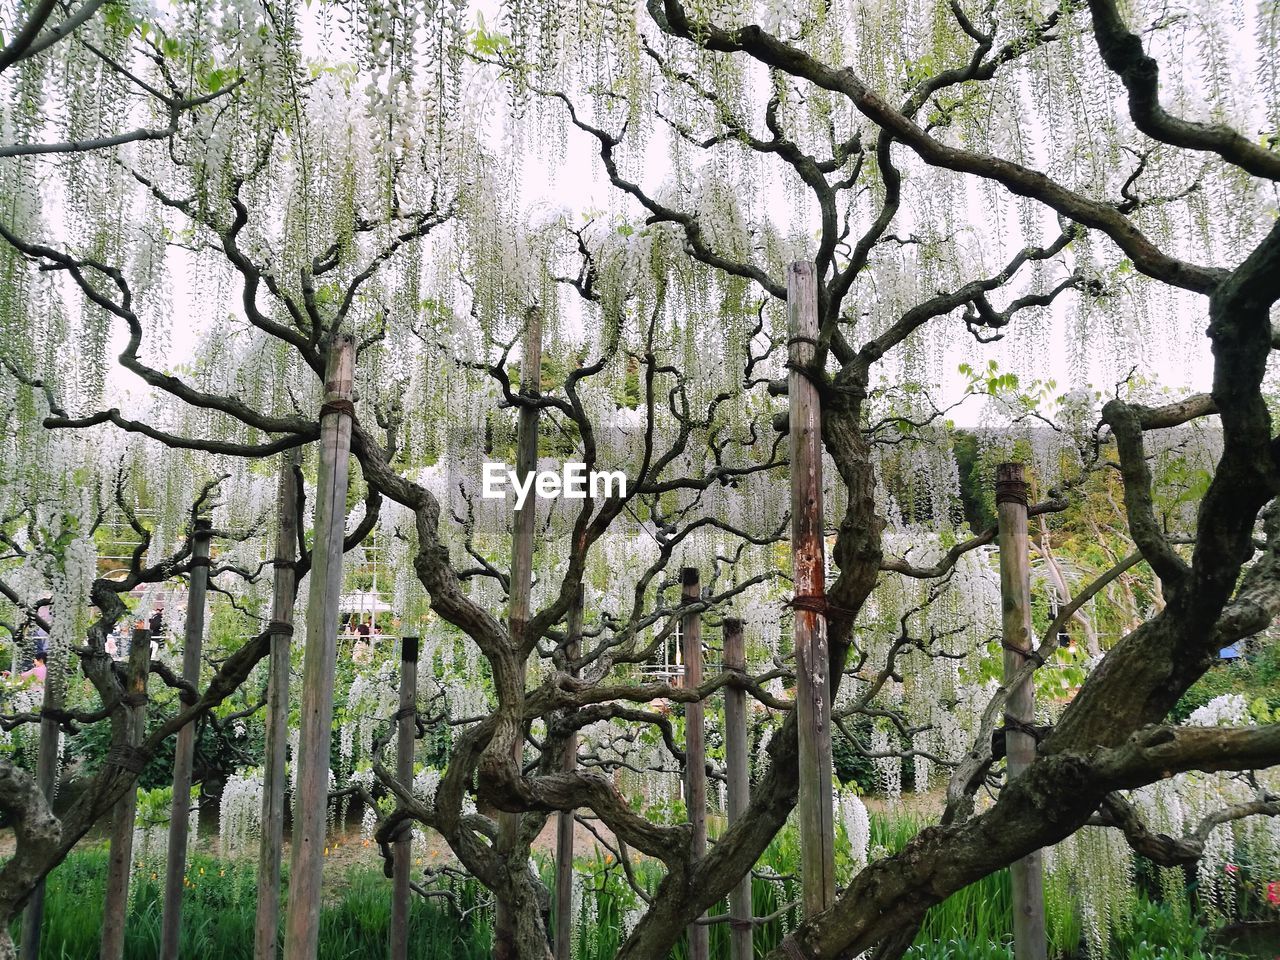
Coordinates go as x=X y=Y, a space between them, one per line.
x=156 y=625
x=38 y=632
x=365 y=628
x=39 y=671
x=33 y=677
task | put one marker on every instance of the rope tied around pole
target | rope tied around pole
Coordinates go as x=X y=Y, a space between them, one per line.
x=404 y=713
x=199 y=562
x=810 y=371
x=127 y=758
x=338 y=405
x=284 y=563
x=819 y=604
x=1025 y=652
x=1036 y=733
x=1011 y=485
x=280 y=629
x=134 y=699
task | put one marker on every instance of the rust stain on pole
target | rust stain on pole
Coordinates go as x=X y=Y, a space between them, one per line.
x=808 y=552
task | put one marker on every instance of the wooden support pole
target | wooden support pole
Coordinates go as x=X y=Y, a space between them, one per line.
x=739 y=782
x=695 y=753
x=266 y=929
x=185 y=747
x=46 y=780
x=311 y=804
x=402 y=861
x=1029 y=941
x=521 y=587
x=808 y=554
x=565 y=822
x=120 y=857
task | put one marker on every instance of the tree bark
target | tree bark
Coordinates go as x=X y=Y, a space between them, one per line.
x=46 y=780
x=506 y=939
x=565 y=819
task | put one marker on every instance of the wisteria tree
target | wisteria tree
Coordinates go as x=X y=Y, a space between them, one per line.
x=956 y=175
x=815 y=92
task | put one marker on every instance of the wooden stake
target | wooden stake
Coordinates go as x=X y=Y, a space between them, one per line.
x=266 y=930
x=402 y=861
x=120 y=858
x=813 y=699
x=565 y=819
x=185 y=748
x=46 y=780
x=695 y=759
x=522 y=536
x=311 y=804
x=1029 y=941
x=739 y=783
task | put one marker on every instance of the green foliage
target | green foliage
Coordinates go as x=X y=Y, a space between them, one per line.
x=488 y=43
x=1163 y=932
x=978 y=510
x=218 y=915
x=1255 y=676
x=961 y=950
x=220 y=751
x=851 y=767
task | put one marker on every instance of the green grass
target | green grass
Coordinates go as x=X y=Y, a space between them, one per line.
x=218 y=915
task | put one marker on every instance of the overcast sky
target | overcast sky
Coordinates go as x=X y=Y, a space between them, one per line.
x=1175 y=354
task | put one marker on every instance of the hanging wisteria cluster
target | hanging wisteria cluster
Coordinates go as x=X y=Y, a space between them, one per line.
x=240 y=182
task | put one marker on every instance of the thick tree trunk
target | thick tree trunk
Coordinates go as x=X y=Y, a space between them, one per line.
x=46 y=780
x=507 y=934
x=565 y=823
